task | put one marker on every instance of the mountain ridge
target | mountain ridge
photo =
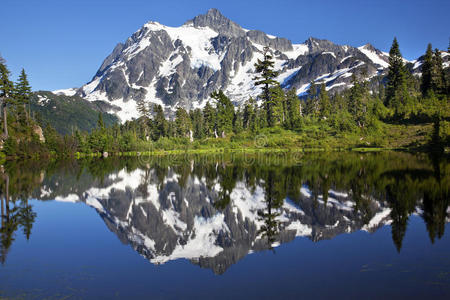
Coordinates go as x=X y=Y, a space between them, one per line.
x=181 y=66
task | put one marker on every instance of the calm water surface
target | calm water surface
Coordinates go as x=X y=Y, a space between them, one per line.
x=294 y=226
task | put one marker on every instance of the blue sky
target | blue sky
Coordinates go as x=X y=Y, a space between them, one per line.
x=61 y=44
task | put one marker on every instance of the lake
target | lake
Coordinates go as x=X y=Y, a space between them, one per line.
x=285 y=226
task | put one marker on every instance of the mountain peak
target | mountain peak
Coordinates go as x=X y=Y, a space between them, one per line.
x=218 y=22
x=214 y=12
x=369 y=47
x=182 y=66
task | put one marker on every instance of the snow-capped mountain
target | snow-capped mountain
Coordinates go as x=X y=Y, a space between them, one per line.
x=66 y=92
x=181 y=66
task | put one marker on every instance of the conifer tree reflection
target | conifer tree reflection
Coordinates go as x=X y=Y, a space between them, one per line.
x=361 y=194
x=27 y=218
x=227 y=176
x=15 y=212
x=436 y=197
x=274 y=196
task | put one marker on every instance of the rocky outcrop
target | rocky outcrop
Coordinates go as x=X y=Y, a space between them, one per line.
x=215 y=20
x=38 y=131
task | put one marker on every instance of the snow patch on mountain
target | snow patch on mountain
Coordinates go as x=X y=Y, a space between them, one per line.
x=286 y=75
x=329 y=53
x=197 y=39
x=373 y=56
x=298 y=49
x=66 y=92
x=42 y=100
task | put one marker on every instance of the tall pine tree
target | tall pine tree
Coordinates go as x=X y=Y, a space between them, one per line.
x=312 y=104
x=427 y=69
x=23 y=93
x=197 y=123
x=6 y=93
x=160 y=124
x=279 y=111
x=250 y=121
x=266 y=79
x=225 y=113
x=142 y=109
x=397 y=89
x=358 y=102
x=144 y=114
x=182 y=122
x=324 y=102
x=437 y=74
x=238 y=125
x=209 y=119
x=293 y=109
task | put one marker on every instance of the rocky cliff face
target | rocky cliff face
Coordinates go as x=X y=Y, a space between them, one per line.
x=181 y=66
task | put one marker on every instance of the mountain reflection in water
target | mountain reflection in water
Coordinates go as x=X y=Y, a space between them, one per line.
x=214 y=210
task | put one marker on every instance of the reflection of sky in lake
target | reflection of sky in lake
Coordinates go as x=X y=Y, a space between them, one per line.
x=71 y=252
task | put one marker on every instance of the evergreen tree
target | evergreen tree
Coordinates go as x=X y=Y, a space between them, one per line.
x=324 y=102
x=238 y=124
x=261 y=117
x=437 y=74
x=159 y=122
x=250 y=121
x=83 y=146
x=339 y=103
x=142 y=109
x=358 y=102
x=171 y=129
x=100 y=123
x=427 y=69
x=248 y=112
x=144 y=118
x=293 y=109
x=279 y=110
x=312 y=104
x=197 y=123
x=396 y=90
x=267 y=80
x=6 y=93
x=182 y=122
x=225 y=112
x=209 y=119
x=23 y=92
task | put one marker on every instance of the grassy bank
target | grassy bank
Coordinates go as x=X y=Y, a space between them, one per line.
x=406 y=137
x=312 y=138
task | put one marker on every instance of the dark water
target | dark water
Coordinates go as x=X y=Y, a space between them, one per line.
x=332 y=225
